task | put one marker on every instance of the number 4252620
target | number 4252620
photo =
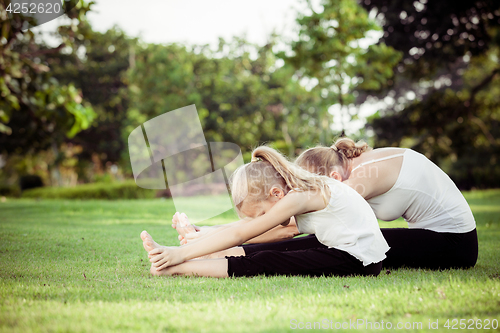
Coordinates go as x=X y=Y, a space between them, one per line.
x=470 y=324
x=34 y=8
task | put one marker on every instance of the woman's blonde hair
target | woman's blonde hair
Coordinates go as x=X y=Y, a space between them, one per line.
x=268 y=169
x=324 y=160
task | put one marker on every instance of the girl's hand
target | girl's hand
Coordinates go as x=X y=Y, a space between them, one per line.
x=164 y=257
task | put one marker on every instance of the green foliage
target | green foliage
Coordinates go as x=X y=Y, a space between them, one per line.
x=455 y=116
x=330 y=49
x=241 y=94
x=10 y=190
x=110 y=191
x=96 y=66
x=35 y=109
x=434 y=34
x=80 y=266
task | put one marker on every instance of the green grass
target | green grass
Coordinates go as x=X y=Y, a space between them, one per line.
x=79 y=266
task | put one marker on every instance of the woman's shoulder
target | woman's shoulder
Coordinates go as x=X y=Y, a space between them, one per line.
x=383 y=152
x=377 y=171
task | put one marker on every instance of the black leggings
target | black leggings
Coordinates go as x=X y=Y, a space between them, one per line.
x=419 y=248
x=298 y=256
x=413 y=248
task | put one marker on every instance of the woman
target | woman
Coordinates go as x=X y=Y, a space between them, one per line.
x=401 y=182
x=396 y=183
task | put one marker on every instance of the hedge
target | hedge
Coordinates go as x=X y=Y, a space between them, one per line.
x=10 y=190
x=110 y=191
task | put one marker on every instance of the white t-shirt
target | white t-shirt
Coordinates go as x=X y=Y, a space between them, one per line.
x=347 y=223
x=425 y=197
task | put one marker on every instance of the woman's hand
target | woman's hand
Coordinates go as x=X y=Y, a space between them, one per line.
x=180 y=220
x=188 y=237
x=164 y=257
x=180 y=223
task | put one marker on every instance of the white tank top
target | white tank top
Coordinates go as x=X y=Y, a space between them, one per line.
x=347 y=223
x=424 y=196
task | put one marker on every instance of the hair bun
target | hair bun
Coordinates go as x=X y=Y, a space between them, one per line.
x=349 y=148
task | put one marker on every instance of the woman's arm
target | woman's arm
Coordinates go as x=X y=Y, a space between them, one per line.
x=362 y=185
x=294 y=203
x=277 y=234
x=372 y=180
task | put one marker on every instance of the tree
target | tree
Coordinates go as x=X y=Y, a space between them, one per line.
x=450 y=70
x=97 y=65
x=36 y=111
x=434 y=34
x=330 y=50
x=241 y=95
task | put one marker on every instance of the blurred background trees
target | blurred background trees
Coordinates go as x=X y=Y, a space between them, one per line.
x=433 y=67
x=444 y=100
x=240 y=93
x=333 y=49
x=97 y=67
x=37 y=112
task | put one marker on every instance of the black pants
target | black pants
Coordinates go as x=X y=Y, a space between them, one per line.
x=419 y=248
x=298 y=256
x=413 y=248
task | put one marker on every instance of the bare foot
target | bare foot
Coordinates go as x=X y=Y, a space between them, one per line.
x=148 y=242
x=169 y=271
x=154 y=271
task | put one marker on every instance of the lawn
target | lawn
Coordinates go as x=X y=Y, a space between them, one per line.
x=79 y=266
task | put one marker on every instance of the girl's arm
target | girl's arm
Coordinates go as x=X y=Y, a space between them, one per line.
x=189 y=232
x=211 y=230
x=278 y=233
x=294 y=203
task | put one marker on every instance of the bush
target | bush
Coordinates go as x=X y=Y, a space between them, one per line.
x=30 y=181
x=123 y=190
x=10 y=190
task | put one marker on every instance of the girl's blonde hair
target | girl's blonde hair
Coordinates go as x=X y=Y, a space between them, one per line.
x=268 y=169
x=323 y=160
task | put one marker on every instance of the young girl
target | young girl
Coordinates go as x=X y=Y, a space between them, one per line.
x=268 y=192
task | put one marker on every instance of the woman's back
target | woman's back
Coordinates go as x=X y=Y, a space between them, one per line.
x=419 y=191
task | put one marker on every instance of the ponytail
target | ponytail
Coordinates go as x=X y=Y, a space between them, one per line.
x=270 y=169
x=293 y=177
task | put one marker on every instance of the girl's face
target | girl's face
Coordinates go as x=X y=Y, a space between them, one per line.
x=254 y=209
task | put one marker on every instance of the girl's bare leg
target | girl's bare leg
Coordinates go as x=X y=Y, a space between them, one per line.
x=236 y=251
x=209 y=268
